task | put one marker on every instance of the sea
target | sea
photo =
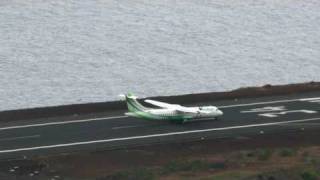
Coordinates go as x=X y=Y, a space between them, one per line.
x=57 y=52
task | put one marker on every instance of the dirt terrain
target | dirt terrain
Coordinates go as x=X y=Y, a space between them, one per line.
x=276 y=156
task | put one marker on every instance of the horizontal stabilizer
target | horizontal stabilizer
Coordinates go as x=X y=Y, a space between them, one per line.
x=160 y=104
x=122 y=97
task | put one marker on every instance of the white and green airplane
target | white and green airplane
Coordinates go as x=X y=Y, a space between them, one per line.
x=170 y=112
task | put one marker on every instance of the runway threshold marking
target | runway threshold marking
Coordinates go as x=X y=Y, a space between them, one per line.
x=276 y=114
x=155 y=135
x=265 y=109
x=61 y=122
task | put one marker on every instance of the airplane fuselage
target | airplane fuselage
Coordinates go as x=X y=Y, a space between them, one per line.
x=172 y=112
x=168 y=114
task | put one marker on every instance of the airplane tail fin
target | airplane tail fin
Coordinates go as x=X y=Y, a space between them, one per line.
x=132 y=103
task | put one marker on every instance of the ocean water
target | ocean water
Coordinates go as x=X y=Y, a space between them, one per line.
x=55 y=52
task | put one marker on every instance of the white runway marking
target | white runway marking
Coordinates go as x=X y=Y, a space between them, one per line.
x=119 y=117
x=155 y=135
x=265 y=109
x=61 y=122
x=270 y=102
x=276 y=114
x=303 y=124
x=260 y=103
x=310 y=99
x=21 y=137
x=202 y=119
x=126 y=127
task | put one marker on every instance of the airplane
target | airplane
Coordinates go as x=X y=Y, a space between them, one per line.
x=171 y=112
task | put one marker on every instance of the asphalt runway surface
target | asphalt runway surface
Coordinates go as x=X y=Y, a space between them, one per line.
x=243 y=118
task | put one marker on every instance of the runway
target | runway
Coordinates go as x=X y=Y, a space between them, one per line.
x=242 y=118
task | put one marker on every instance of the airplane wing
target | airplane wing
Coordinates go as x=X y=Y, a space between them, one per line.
x=176 y=107
x=161 y=104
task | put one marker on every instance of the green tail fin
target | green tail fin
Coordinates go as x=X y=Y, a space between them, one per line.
x=133 y=104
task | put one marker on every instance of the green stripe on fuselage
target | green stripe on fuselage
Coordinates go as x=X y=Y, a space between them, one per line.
x=150 y=116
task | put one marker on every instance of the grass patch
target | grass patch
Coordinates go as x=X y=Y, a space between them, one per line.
x=264 y=154
x=275 y=175
x=310 y=174
x=194 y=165
x=234 y=175
x=135 y=174
x=287 y=152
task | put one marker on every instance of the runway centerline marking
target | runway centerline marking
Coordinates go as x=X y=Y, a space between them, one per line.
x=20 y=137
x=154 y=135
x=126 y=127
x=61 y=122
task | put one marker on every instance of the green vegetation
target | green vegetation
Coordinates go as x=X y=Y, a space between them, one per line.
x=307 y=167
x=169 y=168
x=234 y=175
x=135 y=174
x=311 y=160
x=295 y=173
x=310 y=174
x=194 y=165
x=287 y=152
x=250 y=156
x=264 y=154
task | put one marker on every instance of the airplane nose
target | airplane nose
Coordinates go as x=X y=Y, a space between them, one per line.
x=220 y=112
